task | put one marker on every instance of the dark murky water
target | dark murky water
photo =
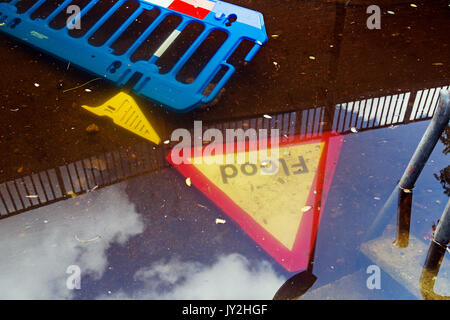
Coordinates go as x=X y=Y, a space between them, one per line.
x=111 y=204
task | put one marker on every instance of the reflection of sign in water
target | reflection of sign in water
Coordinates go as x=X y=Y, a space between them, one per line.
x=279 y=211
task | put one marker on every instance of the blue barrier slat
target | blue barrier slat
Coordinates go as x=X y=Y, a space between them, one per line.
x=164 y=89
x=103 y=19
x=180 y=63
x=57 y=11
x=179 y=29
x=33 y=8
x=88 y=7
x=205 y=77
x=145 y=34
x=220 y=84
x=124 y=27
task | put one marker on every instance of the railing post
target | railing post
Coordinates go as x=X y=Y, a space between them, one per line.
x=436 y=252
x=403 y=217
x=420 y=157
x=434 y=131
x=423 y=151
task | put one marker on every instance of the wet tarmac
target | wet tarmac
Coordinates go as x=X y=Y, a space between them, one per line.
x=138 y=229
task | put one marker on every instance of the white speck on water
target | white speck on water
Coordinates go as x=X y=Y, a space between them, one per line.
x=220 y=221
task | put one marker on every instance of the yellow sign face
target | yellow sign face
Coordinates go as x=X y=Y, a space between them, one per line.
x=277 y=201
x=126 y=113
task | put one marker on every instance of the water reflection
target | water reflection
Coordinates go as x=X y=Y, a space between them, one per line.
x=103 y=170
x=178 y=218
x=231 y=276
x=37 y=247
x=444 y=174
x=435 y=256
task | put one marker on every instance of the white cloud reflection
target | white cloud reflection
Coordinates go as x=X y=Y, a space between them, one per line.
x=37 y=247
x=230 y=277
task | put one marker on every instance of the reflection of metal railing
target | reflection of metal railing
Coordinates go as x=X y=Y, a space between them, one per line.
x=436 y=252
x=360 y=115
x=46 y=187
x=404 y=189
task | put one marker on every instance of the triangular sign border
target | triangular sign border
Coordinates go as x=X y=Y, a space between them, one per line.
x=299 y=257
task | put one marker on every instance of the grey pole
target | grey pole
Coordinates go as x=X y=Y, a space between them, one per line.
x=430 y=138
x=423 y=151
x=442 y=233
x=420 y=157
x=434 y=258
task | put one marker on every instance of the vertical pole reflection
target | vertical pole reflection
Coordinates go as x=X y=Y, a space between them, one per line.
x=331 y=92
x=300 y=283
x=435 y=255
x=403 y=217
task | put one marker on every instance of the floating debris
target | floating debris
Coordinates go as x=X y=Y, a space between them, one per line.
x=167 y=142
x=437 y=64
x=312 y=58
x=202 y=206
x=92 y=128
x=72 y=194
x=220 y=221
x=188 y=181
x=353 y=129
x=37 y=85
x=306 y=208
x=267 y=116
x=88 y=240
x=265 y=163
x=377 y=198
x=277 y=65
x=391 y=12
x=80 y=86
x=413 y=5
x=32 y=196
x=93 y=189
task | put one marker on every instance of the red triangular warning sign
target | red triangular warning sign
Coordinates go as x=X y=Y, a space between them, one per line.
x=278 y=201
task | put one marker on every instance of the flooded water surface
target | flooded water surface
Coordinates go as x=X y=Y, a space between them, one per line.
x=286 y=185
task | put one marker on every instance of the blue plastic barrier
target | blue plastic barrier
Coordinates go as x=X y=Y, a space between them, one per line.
x=147 y=80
